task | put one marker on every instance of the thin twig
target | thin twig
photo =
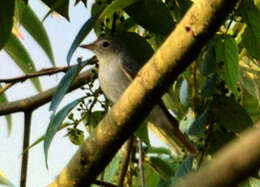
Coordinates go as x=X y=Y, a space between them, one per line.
x=125 y=162
x=26 y=142
x=105 y=184
x=6 y=87
x=140 y=163
x=43 y=72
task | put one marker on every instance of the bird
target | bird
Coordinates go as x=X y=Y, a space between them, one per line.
x=116 y=71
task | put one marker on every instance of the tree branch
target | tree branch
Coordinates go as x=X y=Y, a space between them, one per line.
x=172 y=58
x=40 y=99
x=26 y=142
x=236 y=161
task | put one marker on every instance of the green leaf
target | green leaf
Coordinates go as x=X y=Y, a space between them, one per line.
x=6 y=20
x=137 y=46
x=113 y=168
x=92 y=120
x=208 y=65
x=33 y=25
x=55 y=124
x=210 y=87
x=218 y=139
x=185 y=167
x=158 y=150
x=60 y=6
x=22 y=58
x=115 y=6
x=4 y=180
x=227 y=52
x=4 y=100
x=231 y=114
x=63 y=86
x=85 y=29
x=198 y=126
x=162 y=167
x=251 y=37
x=142 y=133
x=254 y=182
x=76 y=136
x=153 y=15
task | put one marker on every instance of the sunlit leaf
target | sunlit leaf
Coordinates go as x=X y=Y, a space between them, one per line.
x=251 y=37
x=4 y=180
x=184 y=93
x=227 y=53
x=55 y=124
x=33 y=25
x=22 y=58
x=6 y=20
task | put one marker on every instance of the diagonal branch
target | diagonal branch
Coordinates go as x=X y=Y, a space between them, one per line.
x=174 y=56
x=40 y=99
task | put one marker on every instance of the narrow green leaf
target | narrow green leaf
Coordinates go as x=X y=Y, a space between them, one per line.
x=63 y=86
x=22 y=58
x=227 y=52
x=208 y=65
x=251 y=37
x=33 y=25
x=185 y=167
x=158 y=150
x=162 y=167
x=115 y=6
x=85 y=29
x=6 y=20
x=198 y=126
x=60 y=6
x=4 y=100
x=55 y=124
x=232 y=115
x=4 y=180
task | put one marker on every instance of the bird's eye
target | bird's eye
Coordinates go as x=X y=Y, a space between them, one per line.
x=105 y=44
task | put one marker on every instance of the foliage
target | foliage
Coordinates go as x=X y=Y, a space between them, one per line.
x=214 y=100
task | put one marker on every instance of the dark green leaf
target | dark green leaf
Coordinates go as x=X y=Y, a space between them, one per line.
x=137 y=46
x=208 y=65
x=3 y=100
x=6 y=20
x=85 y=29
x=198 y=126
x=142 y=133
x=185 y=167
x=21 y=57
x=55 y=124
x=161 y=167
x=218 y=139
x=172 y=182
x=227 y=52
x=152 y=15
x=231 y=115
x=33 y=25
x=60 y=6
x=251 y=37
x=63 y=86
x=210 y=89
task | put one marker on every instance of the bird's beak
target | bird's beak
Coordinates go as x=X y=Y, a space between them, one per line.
x=91 y=46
